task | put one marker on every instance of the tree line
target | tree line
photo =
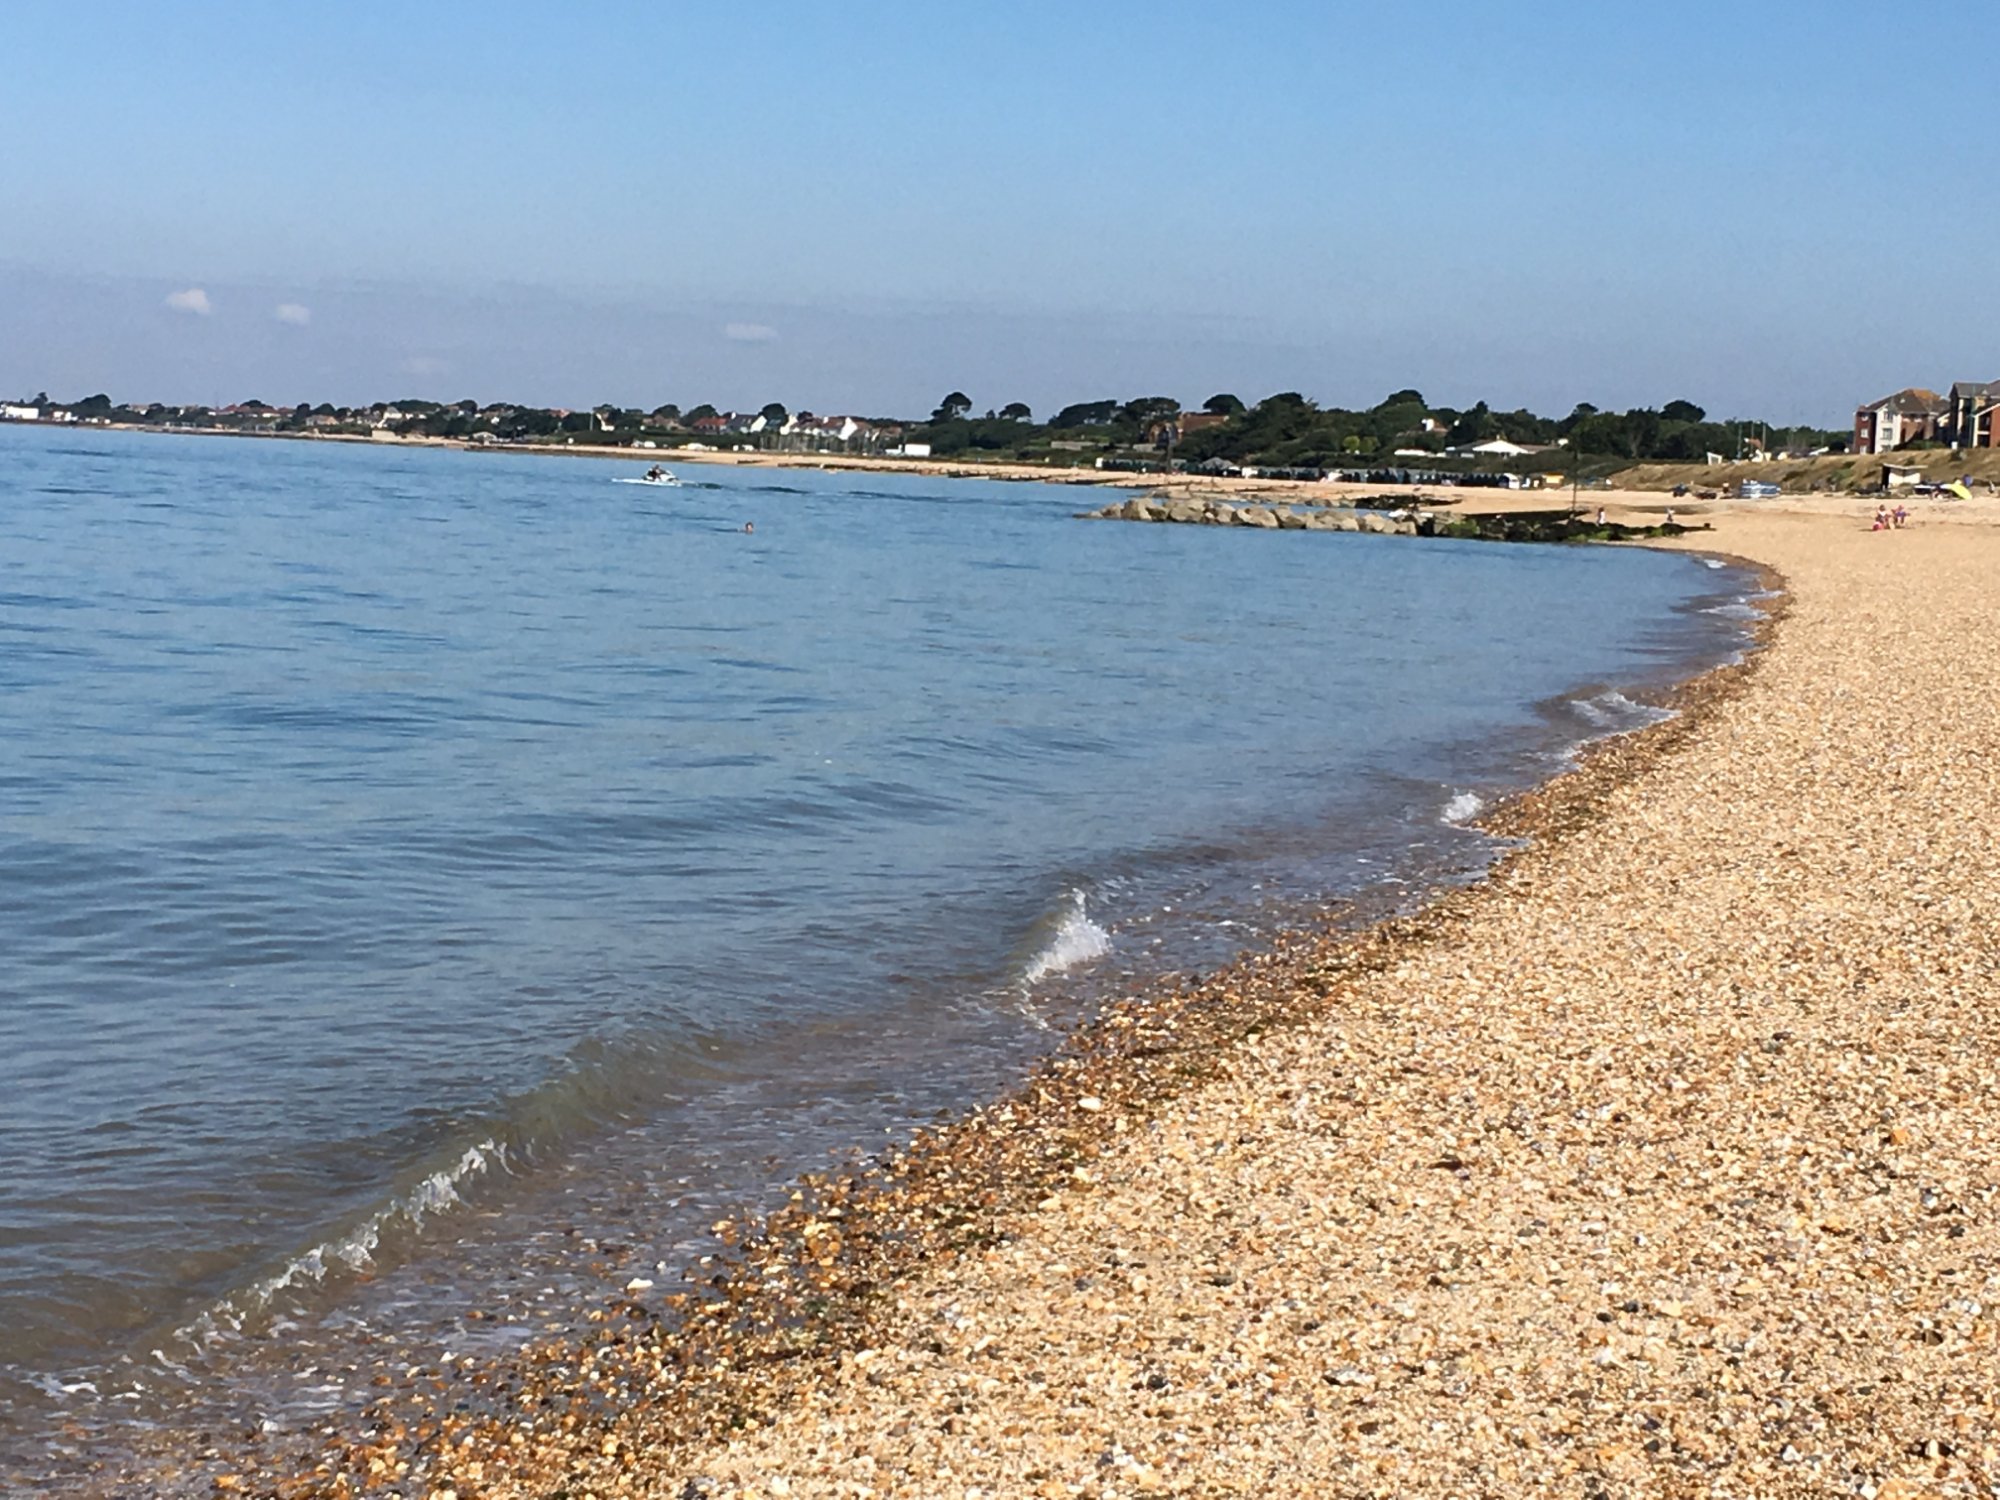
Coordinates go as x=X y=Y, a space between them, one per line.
x=1282 y=431
x=1290 y=431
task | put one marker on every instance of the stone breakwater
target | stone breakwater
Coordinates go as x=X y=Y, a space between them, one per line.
x=1191 y=512
x=1397 y=518
x=1664 y=1162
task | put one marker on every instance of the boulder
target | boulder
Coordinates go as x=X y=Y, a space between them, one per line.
x=1260 y=516
x=1133 y=510
x=1291 y=520
x=1222 y=515
x=1185 y=513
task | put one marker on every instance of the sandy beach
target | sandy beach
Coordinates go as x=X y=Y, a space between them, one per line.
x=1663 y=1162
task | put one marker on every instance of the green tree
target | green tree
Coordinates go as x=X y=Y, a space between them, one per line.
x=954 y=406
x=1404 y=398
x=1222 y=404
x=1476 y=426
x=1582 y=412
x=1085 y=414
x=1143 y=411
x=1681 y=411
x=775 y=412
x=1642 y=432
x=1017 y=411
x=702 y=413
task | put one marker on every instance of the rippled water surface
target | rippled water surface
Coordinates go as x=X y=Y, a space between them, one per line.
x=387 y=834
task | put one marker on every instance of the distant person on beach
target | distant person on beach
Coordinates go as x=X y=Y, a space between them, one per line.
x=1670 y=515
x=1899 y=515
x=1881 y=519
x=1600 y=515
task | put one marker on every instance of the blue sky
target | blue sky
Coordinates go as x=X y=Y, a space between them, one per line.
x=860 y=207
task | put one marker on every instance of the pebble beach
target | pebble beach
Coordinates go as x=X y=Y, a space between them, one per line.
x=1664 y=1162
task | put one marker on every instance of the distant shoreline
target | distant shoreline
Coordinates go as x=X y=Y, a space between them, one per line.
x=1642 y=504
x=1489 y=501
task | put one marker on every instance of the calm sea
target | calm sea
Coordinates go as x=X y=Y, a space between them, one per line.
x=412 y=861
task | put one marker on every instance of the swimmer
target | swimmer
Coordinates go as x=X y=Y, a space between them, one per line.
x=749 y=526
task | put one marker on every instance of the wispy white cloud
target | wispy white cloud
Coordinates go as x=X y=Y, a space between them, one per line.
x=193 y=300
x=295 y=313
x=749 y=333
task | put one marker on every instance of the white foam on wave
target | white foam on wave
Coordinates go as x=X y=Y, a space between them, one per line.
x=354 y=1251
x=1614 y=712
x=1076 y=940
x=1738 y=611
x=1714 y=562
x=1463 y=807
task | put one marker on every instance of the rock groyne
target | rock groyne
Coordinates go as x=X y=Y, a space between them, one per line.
x=1402 y=520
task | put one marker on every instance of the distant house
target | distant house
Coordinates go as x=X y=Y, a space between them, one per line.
x=11 y=413
x=1174 y=429
x=714 y=424
x=1969 y=421
x=840 y=430
x=1492 y=448
x=1910 y=416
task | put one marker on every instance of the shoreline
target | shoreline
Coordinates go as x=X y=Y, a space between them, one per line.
x=805 y=1290
x=1631 y=507
x=1662 y=1161
x=860 y=1293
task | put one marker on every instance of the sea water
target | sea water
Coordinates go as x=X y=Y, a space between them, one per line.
x=412 y=861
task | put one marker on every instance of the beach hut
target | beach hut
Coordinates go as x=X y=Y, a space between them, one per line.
x=1900 y=476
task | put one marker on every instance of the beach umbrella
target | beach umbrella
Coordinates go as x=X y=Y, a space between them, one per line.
x=1957 y=487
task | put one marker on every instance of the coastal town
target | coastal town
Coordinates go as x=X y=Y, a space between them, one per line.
x=1914 y=442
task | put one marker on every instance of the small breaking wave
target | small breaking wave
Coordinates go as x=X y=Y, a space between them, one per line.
x=1076 y=940
x=1614 y=713
x=1463 y=808
x=352 y=1253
